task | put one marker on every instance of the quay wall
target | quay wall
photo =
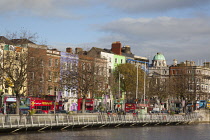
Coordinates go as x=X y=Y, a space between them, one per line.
x=204 y=115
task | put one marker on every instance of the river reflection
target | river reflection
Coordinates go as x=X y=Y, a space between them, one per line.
x=180 y=132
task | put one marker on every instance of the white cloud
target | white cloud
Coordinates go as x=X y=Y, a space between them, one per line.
x=70 y=8
x=180 y=38
x=139 y=6
x=42 y=8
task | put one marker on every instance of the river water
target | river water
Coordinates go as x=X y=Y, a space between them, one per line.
x=179 y=132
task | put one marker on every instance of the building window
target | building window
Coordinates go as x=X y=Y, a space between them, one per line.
x=70 y=66
x=174 y=72
x=32 y=61
x=50 y=62
x=41 y=78
x=42 y=63
x=110 y=69
x=49 y=75
x=56 y=63
x=83 y=66
x=30 y=89
x=191 y=87
x=49 y=89
x=121 y=61
x=64 y=66
x=32 y=75
x=198 y=87
x=55 y=76
x=55 y=90
x=202 y=87
x=115 y=60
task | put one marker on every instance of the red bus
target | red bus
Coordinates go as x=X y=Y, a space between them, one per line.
x=88 y=104
x=44 y=105
x=130 y=107
x=40 y=105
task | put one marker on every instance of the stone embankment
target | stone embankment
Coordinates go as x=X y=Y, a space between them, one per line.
x=204 y=115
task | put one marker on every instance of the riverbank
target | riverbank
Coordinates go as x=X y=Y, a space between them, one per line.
x=204 y=115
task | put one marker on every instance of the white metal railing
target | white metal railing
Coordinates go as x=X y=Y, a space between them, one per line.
x=14 y=121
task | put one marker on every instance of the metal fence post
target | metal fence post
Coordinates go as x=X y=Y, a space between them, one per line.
x=32 y=122
x=25 y=121
x=56 y=119
x=38 y=121
x=3 y=121
x=51 y=120
x=68 y=119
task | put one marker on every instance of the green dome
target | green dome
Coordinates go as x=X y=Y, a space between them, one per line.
x=159 y=56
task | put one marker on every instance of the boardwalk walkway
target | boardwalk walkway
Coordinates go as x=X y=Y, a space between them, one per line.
x=14 y=123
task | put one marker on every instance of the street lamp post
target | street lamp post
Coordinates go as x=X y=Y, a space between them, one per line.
x=144 y=82
x=119 y=86
x=137 y=84
x=120 y=75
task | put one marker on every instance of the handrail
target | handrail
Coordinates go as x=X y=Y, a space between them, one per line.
x=14 y=121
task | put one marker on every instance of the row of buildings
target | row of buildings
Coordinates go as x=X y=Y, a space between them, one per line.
x=36 y=71
x=75 y=74
x=185 y=84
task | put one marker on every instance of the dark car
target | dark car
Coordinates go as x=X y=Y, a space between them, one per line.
x=40 y=112
x=61 y=112
x=155 y=111
x=58 y=112
x=164 y=111
x=24 y=111
x=109 y=112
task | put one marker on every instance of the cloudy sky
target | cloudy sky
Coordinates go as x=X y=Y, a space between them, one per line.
x=180 y=29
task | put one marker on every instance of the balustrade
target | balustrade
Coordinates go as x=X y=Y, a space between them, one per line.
x=14 y=121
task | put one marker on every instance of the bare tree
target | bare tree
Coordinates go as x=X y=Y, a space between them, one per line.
x=14 y=67
x=184 y=88
x=158 y=89
x=69 y=72
x=91 y=77
x=16 y=63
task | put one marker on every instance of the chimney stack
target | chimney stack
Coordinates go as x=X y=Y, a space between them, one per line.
x=175 y=62
x=78 y=50
x=117 y=48
x=69 y=50
x=127 y=49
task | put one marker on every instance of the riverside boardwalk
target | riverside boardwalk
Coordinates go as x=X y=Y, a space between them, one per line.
x=14 y=123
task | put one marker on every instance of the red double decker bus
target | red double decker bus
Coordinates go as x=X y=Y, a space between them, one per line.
x=89 y=104
x=40 y=105
x=130 y=107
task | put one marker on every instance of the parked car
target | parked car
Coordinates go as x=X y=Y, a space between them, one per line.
x=58 y=112
x=24 y=111
x=61 y=112
x=109 y=112
x=89 y=111
x=164 y=111
x=155 y=111
x=39 y=112
x=96 y=111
